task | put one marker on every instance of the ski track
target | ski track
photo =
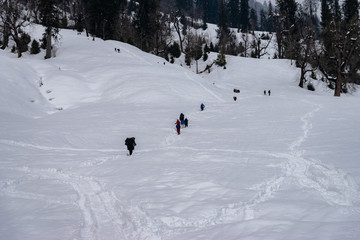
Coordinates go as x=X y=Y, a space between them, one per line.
x=205 y=88
x=334 y=185
x=102 y=211
x=47 y=148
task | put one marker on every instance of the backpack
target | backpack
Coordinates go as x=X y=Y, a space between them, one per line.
x=130 y=141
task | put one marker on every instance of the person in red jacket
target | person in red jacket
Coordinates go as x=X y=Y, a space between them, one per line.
x=178 y=126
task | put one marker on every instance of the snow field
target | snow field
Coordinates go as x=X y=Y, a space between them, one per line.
x=262 y=167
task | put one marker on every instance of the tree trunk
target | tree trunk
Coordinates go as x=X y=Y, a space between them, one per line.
x=338 y=80
x=6 y=36
x=48 y=44
x=18 y=48
x=338 y=70
x=302 y=77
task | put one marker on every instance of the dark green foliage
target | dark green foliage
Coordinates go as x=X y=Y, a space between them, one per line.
x=253 y=19
x=234 y=13
x=244 y=15
x=351 y=10
x=43 y=41
x=197 y=53
x=146 y=23
x=212 y=49
x=24 y=41
x=174 y=50
x=101 y=16
x=49 y=18
x=49 y=14
x=79 y=23
x=205 y=56
x=253 y=54
x=206 y=49
x=64 y=22
x=221 y=60
x=35 y=47
x=310 y=87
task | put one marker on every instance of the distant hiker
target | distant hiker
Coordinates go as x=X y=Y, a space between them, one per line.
x=130 y=143
x=182 y=120
x=118 y=50
x=269 y=92
x=236 y=90
x=265 y=92
x=186 y=122
x=202 y=107
x=178 y=126
x=115 y=49
x=235 y=98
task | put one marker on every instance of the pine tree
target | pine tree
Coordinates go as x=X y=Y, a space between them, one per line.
x=234 y=13
x=253 y=19
x=244 y=15
x=263 y=21
x=287 y=28
x=35 y=47
x=351 y=10
x=146 y=23
x=223 y=31
x=49 y=18
x=270 y=18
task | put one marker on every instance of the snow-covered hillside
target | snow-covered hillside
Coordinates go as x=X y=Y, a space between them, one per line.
x=284 y=166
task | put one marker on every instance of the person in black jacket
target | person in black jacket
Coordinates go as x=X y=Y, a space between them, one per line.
x=130 y=143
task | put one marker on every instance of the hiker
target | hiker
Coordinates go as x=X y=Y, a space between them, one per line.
x=186 y=122
x=178 y=126
x=182 y=120
x=269 y=92
x=130 y=143
x=265 y=92
x=235 y=98
x=202 y=106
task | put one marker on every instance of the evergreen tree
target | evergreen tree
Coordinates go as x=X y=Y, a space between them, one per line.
x=234 y=13
x=146 y=23
x=101 y=16
x=223 y=31
x=270 y=18
x=351 y=11
x=253 y=19
x=263 y=21
x=244 y=15
x=287 y=28
x=49 y=17
x=35 y=47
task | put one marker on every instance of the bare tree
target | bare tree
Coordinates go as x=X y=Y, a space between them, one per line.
x=14 y=20
x=180 y=29
x=245 y=44
x=260 y=45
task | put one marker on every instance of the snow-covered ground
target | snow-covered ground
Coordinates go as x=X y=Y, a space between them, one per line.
x=284 y=166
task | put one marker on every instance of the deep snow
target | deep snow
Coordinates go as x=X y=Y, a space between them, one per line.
x=284 y=166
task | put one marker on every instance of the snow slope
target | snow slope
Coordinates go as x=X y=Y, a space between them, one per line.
x=283 y=166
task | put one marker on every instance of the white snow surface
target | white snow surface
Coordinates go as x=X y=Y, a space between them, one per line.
x=284 y=166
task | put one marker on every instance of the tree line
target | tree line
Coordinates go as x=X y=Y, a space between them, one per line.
x=329 y=45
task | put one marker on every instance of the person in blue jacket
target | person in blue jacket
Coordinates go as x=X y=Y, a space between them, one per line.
x=202 y=106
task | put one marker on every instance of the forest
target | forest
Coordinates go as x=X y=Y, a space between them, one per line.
x=318 y=35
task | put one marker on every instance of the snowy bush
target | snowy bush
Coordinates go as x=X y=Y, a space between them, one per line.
x=221 y=60
x=310 y=87
x=35 y=47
